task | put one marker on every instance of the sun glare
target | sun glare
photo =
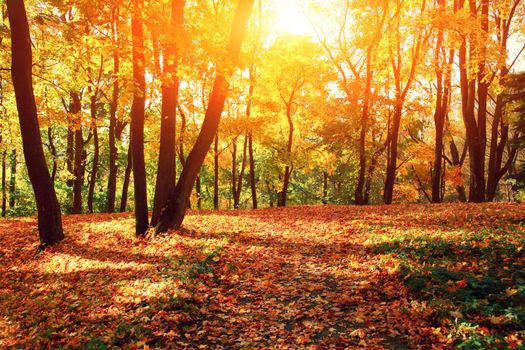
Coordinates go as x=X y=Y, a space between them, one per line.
x=292 y=18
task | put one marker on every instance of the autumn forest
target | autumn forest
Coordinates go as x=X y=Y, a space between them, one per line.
x=262 y=174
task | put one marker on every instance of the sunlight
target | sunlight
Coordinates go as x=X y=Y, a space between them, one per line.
x=292 y=19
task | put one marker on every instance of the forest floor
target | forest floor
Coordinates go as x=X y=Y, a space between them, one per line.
x=319 y=277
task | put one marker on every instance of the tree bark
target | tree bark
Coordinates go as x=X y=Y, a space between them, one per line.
x=53 y=150
x=178 y=199
x=216 y=172
x=253 y=184
x=166 y=170
x=359 y=195
x=392 y=153
x=125 y=184
x=4 y=184
x=250 y=133
x=49 y=215
x=137 y=122
x=12 y=181
x=112 y=177
x=474 y=128
x=75 y=109
x=237 y=198
x=96 y=153
x=325 y=188
x=198 y=192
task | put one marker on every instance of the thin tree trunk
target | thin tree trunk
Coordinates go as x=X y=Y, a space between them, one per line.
x=49 y=215
x=166 y=171
x=283 y=194
x=53 y=151
x=325 y=187
x=233 y=183
x=457 y=161
x=137 y=122
x=75 y=109
x=4 y=184
x=12 y=181
x=392 y=154
x=70 y=151
x=237 y=198
x=177 y=204
x=359 y=195
x=253 y=184
x=96 y=153
x=112 y=177
x=216 y=172
x=198 y=192
x=125 y=185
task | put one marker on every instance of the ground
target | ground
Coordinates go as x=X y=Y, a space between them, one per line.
x=319 y=277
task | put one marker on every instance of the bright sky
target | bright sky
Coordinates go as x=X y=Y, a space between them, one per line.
x=292 y=18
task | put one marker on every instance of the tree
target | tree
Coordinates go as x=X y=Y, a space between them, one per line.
x=177 y=203
x=402 y=85
x=137 y=122
x=49 y=215
x=166 y=169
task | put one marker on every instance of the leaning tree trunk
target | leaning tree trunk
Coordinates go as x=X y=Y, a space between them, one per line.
x=137 y=123
x=49 y=215
x=178 y=199
x=166 y=171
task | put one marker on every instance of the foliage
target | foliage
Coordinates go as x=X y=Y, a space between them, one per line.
x=405 y=276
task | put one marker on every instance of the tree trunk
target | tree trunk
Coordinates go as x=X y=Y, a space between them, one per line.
x=177 y=203
x=233 y=184
x=4 y=184
x=216 y=172
x=75 y=110
x=70 y=151
x=166 y=171
x=359 y=195
x=237 y=198
x=137 y=122
x=12 y=181
x=49 y=216
x=325 y=187
x=53 y=151
x=392 y=154
x=198 y=192
x=253 y=185
x=473 y=127
x=439 y=115
x=96 y=153
x=282 y=195
x=125 y=185
x=112 y=177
